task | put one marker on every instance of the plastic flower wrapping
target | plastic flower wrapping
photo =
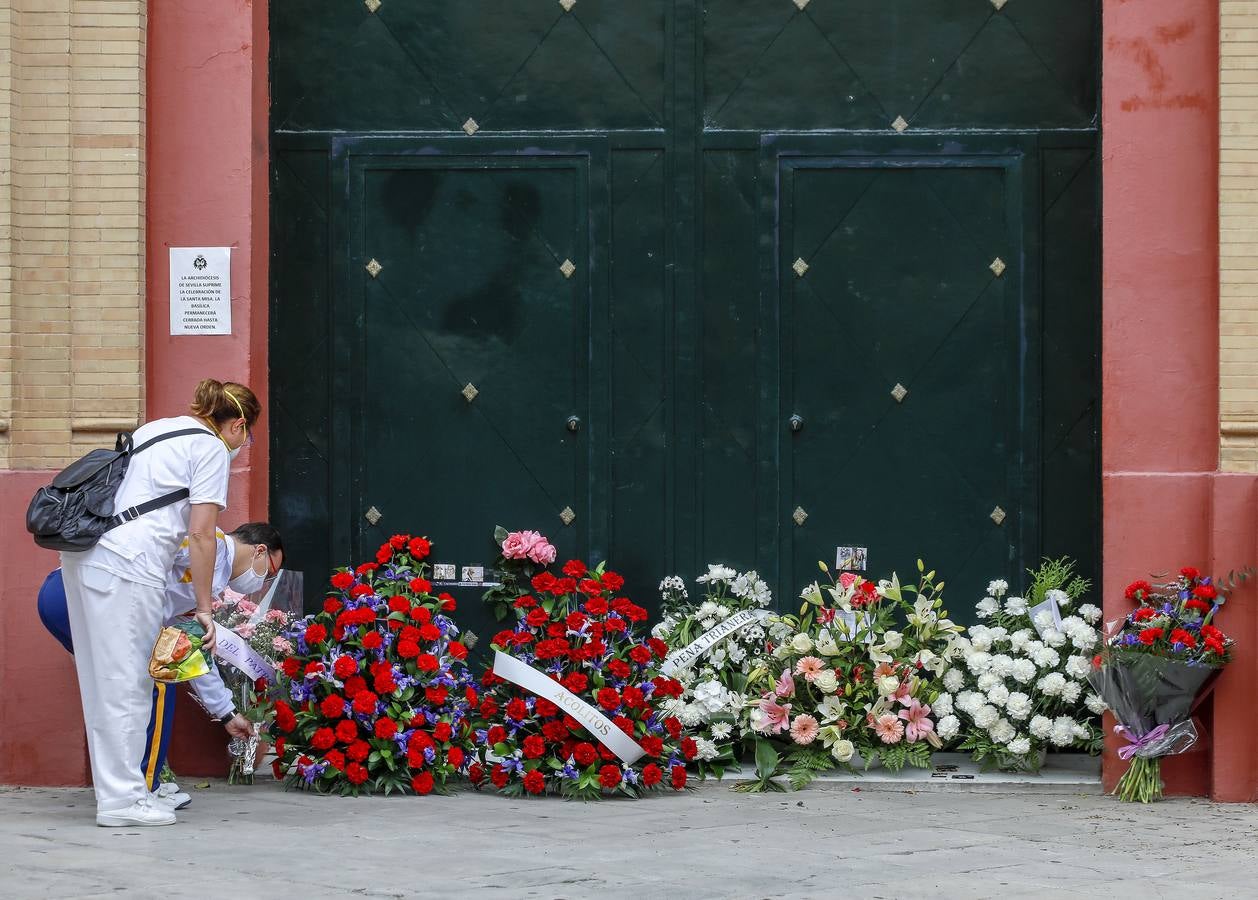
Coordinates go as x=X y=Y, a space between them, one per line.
x=852 y=677
x=260 y=620
x=376 y=689
x=576 y=631
x=727 y=648
x=1153 y=666
x=1017 y=683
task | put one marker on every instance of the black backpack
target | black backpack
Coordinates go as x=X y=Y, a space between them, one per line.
x=77 y=508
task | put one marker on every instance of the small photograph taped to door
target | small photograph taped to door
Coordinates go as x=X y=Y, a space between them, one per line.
x=852 y=559
x=475 y=574
x=443 y=571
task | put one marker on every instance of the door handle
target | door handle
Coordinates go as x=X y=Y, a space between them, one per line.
x=573 y=423
x=796 y=422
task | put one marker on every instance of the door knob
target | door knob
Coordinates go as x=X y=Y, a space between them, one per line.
x=573 y=423
x=797 y=422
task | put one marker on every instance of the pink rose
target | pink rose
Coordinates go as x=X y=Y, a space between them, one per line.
x=516 y=546
x=542 y=552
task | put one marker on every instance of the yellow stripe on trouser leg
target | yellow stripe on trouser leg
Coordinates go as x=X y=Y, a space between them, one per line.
x=159 y=713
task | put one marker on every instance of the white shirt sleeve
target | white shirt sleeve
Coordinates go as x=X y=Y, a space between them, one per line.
x=212 y=693
x=210 y=467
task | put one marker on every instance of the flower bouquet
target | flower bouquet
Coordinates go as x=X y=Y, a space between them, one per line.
x=251 y=639
x=178 y=655
x=573 y=702
x=854 y=673
x=377 y=686
x=1152 y=667
x=1019 y=684
x=718 y=642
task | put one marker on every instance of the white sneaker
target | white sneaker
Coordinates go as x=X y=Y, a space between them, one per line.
x=168 y=792
x=141 y=812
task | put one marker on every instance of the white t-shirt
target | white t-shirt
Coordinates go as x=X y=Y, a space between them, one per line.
x=143 y=550
x=180 y=596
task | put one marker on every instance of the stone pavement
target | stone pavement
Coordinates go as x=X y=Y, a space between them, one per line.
x=828 y=841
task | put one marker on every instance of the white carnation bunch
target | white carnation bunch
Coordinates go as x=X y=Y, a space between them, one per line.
x=1016 y=683
x=712 y=706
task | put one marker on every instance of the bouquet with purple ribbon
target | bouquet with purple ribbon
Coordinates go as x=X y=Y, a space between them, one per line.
x=1155 y=664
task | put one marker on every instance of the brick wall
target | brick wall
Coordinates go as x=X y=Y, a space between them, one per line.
x=72 y=102
x=1238 y=235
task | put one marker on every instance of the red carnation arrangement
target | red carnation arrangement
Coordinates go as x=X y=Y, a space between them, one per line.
x=378 y=692
x=576 y=630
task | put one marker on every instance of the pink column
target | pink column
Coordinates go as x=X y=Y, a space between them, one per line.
x=1165 y=504
x=207 y=186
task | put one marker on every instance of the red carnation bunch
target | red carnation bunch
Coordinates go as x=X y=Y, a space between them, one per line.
x=577 y=631
x=1153 y=668
x=377 y=690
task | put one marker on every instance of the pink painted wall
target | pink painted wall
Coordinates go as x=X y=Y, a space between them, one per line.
x=207 y=186
x=1165 y=504
x=41 y=721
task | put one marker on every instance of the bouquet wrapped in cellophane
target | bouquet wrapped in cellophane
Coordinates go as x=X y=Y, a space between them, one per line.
x=1152 y=668
x=251 y=640
x=177 y=654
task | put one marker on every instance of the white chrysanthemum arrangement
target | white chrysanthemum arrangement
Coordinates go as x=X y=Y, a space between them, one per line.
x=1017 y=683
x=715 y=683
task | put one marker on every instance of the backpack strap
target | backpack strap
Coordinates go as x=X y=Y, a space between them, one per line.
x=148 y=506
x=182 y=432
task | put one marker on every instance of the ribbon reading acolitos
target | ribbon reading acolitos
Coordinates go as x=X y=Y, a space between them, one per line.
x=597 y=724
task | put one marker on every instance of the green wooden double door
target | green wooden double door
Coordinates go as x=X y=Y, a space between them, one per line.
x=744 y=283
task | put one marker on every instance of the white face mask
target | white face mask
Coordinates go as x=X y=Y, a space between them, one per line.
x=249 y=581
x=232 y=454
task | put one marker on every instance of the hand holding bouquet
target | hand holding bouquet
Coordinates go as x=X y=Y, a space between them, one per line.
x=178 y=655
x=259 y=620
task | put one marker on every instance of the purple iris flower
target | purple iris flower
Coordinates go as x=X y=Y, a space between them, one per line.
x=630 y=776
x=570 y=772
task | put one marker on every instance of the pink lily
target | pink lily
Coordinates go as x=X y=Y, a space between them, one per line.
x=786 y=685
x=776 y=717
x=917 y=721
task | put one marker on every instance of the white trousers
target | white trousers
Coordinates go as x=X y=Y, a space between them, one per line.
x=114 y=623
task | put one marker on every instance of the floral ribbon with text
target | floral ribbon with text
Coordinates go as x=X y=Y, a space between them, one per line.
x=597 y=724
x=234 y=649
x=680 y=659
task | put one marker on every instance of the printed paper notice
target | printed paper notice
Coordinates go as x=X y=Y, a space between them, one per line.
x=200 y=290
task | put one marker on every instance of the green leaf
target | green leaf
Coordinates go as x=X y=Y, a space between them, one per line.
x=500 y=534
x=767 y=760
